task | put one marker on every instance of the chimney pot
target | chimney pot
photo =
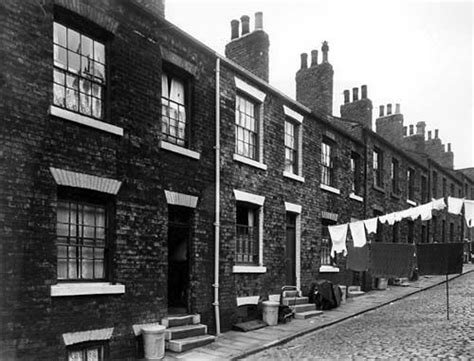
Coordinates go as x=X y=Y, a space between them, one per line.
x=245 y=20
x=259 y=20
x=347 y=95
x=325 y=49
x=389 y=109
x=405 y=129
x=411 y=129
x=234 y=26
x=304 y=61
x=397 y=108
x=355 y=94
x=314 y=57
x=429 y=134
x=363 y=90
x=381 y=110
x=449 y=147
x=436 y=133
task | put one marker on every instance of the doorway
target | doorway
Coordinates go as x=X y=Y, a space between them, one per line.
x=179 y=237
x=290 y=249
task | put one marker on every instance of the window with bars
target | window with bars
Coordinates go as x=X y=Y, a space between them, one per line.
x=81 y=240
x=326 y=244
x=378 y=168
x=411 y=184
x=87 y=352
x=291 y=146
x=79 y=72
x=173 y=109
x=327 y=164
x=246 y=127
x=395 y=176
x=247 y=236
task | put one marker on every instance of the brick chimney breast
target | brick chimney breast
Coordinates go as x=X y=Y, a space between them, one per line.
x=359 y=110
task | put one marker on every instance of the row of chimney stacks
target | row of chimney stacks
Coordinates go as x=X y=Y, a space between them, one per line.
x=245 y=21
x=389 y=109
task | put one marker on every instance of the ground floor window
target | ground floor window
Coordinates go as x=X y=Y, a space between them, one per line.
x=326 y=244
x=247 y=236
x=87 y=352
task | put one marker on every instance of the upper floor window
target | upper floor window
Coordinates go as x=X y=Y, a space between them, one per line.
x=394 y=175
x=173 y=109
x=79 y=72
x=246 y=128
x=327 y=164
x=411 y=184
x=378 y=168
x=434 y=185
x=424 y=189
x=445 y=187
x=81 y=240
x=451 y=192
x=355 y=171
x=291 y=146
x=247 y=235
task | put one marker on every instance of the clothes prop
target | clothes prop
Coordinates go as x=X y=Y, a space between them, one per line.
x=392 y=259
x=338 y=237
x=358 y=233
x=439 y=258
x=357 y=258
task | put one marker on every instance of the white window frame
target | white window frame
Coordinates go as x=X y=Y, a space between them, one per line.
x=241 y=196
x=296 y=209
x=297 y=119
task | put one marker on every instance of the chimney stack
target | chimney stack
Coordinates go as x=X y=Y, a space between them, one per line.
x=429 y=134
x=381 y=110
x=411 y=129
x=234 y=26
x=355 y=94
x=325 y=49
x=405 y=130
x=389 y=109
x=397 y=108
x=314 y=57
x=259 y=20
x=363 y=89
x=304 y=61
x=245 y=20
x=347 y=96
x=436 y=133
x=449 y=147
x=420 y=129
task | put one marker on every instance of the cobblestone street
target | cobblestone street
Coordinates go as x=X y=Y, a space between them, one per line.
x=413 y=327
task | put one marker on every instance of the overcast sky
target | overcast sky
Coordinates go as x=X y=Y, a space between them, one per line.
x=416 y=53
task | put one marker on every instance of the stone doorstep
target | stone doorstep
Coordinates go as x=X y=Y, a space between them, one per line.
x=288 y=294
x=185 y=344
x=304 y=307
x=352 y=294
x=173 y=321
x=295 y=301
x=179 y=332
x=307 y=314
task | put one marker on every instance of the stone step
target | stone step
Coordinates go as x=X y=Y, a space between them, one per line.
x=291 y=293
x=294 y=300
x=179 y=332
x=186 y=344
x=355 y=293
x=181 y=320
x=307 y=314
x=304 y=307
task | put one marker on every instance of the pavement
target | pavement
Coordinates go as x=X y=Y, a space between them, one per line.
x=234 y=345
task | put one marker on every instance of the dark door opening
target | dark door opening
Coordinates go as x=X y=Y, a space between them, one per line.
x=290 y=251
x=179 y=235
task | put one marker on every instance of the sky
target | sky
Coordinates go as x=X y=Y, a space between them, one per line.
x=417 y=53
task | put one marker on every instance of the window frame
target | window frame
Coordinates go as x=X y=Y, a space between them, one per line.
x=326 y=244
x=424 y=188
x=85 y=346
x=411 y=184
x=295 y=150
x=377 y=167
x=434 y=185
x=395 y=176
x=257 y=120
x=255 y=210
x=328 y=171
x=355 y=167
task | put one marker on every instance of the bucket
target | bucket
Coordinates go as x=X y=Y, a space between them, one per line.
x=382 y=283
x=270 y=312
x=154 y=342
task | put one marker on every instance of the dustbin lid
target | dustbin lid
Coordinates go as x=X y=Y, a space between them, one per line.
x=270 y=303
x=153 y=329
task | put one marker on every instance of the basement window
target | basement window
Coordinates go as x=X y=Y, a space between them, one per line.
x=87 y=351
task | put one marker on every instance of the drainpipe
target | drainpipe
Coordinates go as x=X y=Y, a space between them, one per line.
x=218 y=200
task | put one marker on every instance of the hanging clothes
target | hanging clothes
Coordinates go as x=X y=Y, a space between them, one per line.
x=358 y=233
x=384 y=219
x=424 y=211
x=439 y=258
x=439 y=204
x=371 y=225
x=391 y=218
x=392 y=259
x=338 y=237
x=469 y=212
x=455 y=205
x=357 y=258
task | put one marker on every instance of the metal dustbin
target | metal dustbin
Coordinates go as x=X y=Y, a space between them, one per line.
x=270 y=312
x=154 y=342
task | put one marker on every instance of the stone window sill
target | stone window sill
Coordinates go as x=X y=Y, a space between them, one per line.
x=329 y=189
x=248 y=300
x=377 y=188
x=328 y=269
x=293 y=176
x=356 y=197
x=179 y=150
x=83 y=288
x=249 y=269
x=412 y=203
x=395 y=195
x=250 y=162
x=84 y=120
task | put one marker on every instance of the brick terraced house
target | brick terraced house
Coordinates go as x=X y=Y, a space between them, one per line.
x=143 y=175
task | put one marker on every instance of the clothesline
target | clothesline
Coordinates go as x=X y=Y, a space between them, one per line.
x=338 y=233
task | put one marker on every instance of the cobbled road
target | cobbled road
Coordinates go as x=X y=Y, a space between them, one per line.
x=412 y=328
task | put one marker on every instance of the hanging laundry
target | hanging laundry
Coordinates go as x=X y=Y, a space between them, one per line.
x=338 y=237
x=424 y=211
x=439 y=258
x=384 y=219
x=455 y=205
x=358 y=233
x=357 y=258
x=438 y=204
x=469 y=212
x=371 y=225
x=392 y=259
x=392 y=218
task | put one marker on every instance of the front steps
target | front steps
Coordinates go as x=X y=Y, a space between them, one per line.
x=303 y=309
x=185 y=332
